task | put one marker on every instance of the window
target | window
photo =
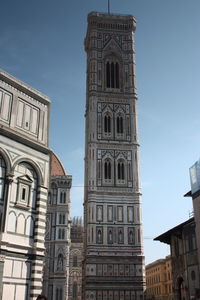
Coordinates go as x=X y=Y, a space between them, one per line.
x=61 y=233
x=59 y=293
x=107 y=123
x=120 y=171
x=74 y=290
x=2 y=177
x=112 y=74
x=120 y=124
x=61 y=218
x=74 y=261
x=107 y=169
x=63 y=197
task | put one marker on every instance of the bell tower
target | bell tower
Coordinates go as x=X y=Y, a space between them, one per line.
x=113 y=246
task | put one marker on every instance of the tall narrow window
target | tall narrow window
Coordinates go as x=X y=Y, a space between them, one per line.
x=120 y=171
x=112 y=75
x=120 y=125
x=107 y=124
x=108 y=74
x=107 y=170
x=74 y=290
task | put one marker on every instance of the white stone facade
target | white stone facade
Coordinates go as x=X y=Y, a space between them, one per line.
x=114 y=262
x=24 y=175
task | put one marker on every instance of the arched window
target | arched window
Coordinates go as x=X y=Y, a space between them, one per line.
x=120 y=125
x=107 y=169
x=74 y=261
x=2 y=177
x=120 y=171
x=107 y=124
x=112 y=74
x=74 y=290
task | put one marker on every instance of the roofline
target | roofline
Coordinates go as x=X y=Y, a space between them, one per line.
x=164 y=236
x=23 y=87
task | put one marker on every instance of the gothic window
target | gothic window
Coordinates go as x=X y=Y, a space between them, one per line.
x=112 y=74
x=74 y=290
x=59 y=293
x=107 y=169
x=120 y=125
x=107 y=123
x=62 y=218
x=62 y=197
x=61 y=233
x=74 y=261
x=60 y=262
x=2 y=177
x=120 y=171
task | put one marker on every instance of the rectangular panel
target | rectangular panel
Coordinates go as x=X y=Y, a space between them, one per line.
x=20 y=113
x=27 y=117
x=9 y=291
x=21 y=291
x=6 y=107
x=34 y=120
x=120 y=214
x=17 y=269
x=110 y=213
x=1 y=96
x=8 y=268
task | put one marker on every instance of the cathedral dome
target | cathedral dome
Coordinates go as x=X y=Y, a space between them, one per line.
x=56 y=167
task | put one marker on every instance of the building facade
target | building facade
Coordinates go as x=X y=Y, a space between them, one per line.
x=113 y=247
x=159 y=284
x=76 y=259
x=57 y=238
x=184 y=256
x=24 y=180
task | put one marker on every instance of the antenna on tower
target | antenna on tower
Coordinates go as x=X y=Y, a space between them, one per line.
x=108 y=6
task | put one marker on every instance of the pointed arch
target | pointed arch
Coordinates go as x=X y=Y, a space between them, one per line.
x=6 y=158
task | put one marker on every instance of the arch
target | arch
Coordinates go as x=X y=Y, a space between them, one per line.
x=181 y=289
x=7 y=161
x=12 y=222
x=20 y=224
x=29 y=230
x=34 y=165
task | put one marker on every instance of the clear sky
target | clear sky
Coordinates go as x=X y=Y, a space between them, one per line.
x=41 y=43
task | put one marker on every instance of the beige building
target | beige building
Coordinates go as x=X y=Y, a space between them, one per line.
x=57 y=239
x=76 y=260
x=159 y=280
x=113 y=245
x=24 y=181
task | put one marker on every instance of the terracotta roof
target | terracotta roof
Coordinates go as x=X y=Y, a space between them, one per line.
x=56 y=167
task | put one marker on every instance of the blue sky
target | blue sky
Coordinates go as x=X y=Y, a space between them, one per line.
x=41 y=43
